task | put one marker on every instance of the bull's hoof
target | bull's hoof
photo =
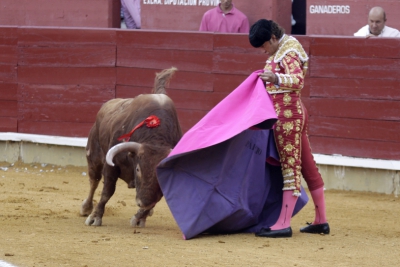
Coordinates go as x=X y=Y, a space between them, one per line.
x=86 y=208
x=151 y=212
x=135 y=222
x=93 y=221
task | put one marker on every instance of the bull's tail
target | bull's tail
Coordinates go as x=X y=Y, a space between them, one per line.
x=162 y=80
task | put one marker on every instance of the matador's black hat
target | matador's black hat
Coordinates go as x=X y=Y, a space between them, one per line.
x=260 y=32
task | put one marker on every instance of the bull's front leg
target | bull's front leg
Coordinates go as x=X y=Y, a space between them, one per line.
x=95 y=218
x=139 y=219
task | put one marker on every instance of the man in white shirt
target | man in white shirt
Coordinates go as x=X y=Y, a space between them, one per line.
x=376 y=25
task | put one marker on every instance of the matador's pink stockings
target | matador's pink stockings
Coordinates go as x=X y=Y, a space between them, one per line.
x=319 y=204
x=288 y=204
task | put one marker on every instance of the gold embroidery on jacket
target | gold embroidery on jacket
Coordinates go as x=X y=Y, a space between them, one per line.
x=287 y=99
x=287 y=127
x=288 y=113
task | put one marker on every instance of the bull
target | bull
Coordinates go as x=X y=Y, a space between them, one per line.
x=132 y=135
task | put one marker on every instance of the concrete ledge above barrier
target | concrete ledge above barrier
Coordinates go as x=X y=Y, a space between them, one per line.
x=338 y=172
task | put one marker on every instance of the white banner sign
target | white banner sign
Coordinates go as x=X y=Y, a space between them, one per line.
x=182 y=2
x=327 y=9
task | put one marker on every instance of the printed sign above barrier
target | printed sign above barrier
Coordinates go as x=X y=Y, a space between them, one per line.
x=182 y=2
x=327 y=9
x=345 y=17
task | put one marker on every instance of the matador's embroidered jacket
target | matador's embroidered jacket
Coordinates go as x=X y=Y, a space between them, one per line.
x=289 y=63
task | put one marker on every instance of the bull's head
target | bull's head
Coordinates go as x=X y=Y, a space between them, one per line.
x=148 y=191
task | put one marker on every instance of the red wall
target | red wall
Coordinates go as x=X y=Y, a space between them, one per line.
x=159 y=15
x=53 y=81
x=61 y=13
x=323 y=16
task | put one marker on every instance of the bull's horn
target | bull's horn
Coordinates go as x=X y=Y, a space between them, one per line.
x=126 y=146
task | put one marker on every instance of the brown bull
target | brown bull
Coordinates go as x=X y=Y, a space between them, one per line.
x=134 y=161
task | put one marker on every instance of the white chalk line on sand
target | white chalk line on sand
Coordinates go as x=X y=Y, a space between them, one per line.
x=6 y=264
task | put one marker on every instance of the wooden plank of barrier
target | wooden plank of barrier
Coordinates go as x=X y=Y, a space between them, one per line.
x=126 y=91
x=42 y=36
x=355 y=108
x=236 y=63
x=347 y=128
x=186 y=60
x=195 y=100
x=185 y=80
x=9 y=108
x=169 y=40
x=58 y=112
x=71 y=56
x=8 y=35
x=355 y=148
x=8 y=54
x=234 y=43
x=8 y=124
x=233 y=54
x=354 y=68
x=8 y=73
x=355 y=47
x=377 y=89
x=188 y=118
x=8 y=91
x=64 y=75
x=72 y=129
x=305 y=92
x=79 y=94
x=226 y=83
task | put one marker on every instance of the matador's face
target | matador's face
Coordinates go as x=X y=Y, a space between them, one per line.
x=271 y=46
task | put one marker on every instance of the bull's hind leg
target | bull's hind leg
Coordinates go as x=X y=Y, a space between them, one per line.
x=87 y=204
x=110 y=181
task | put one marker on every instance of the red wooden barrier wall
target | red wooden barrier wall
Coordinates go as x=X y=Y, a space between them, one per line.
x=53 y=81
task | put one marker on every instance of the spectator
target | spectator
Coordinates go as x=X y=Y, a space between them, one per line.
x=376 y=25
x=131 y=12
x=299 y=17
x=225 y=18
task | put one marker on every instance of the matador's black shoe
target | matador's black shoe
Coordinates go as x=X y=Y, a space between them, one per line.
x=322 y=228
x=267 y=232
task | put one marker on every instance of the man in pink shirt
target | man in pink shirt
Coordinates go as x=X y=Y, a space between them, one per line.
x=131 y=11
x=225 y=18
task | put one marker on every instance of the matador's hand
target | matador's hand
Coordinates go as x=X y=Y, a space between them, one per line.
x=268 y=76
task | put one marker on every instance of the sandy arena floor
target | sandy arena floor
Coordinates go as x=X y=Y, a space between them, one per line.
x=40 y=226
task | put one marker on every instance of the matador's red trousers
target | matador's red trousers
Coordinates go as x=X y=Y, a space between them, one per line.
x=293 y=145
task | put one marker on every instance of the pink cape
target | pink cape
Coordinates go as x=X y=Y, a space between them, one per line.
x=248 y=105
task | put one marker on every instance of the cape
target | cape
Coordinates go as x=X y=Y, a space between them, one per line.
x=219 y=177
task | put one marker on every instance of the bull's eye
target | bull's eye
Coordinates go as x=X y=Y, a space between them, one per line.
x=138 y=172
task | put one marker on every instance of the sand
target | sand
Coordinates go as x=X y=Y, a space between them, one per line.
x=40 y=225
